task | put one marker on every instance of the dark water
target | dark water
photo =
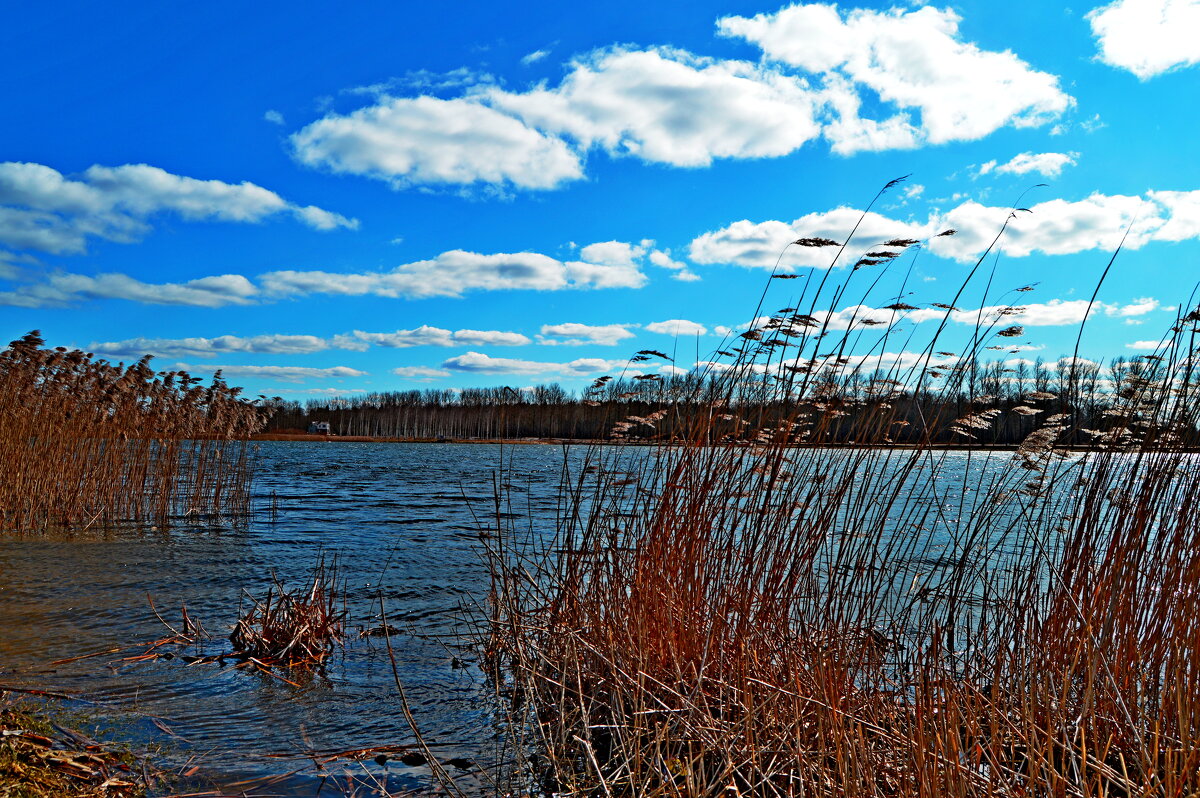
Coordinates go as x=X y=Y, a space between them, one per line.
x=399 y=519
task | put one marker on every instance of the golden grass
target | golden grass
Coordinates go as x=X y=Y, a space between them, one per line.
x=86 y=442
x=41 y=758
x=293 y=629
x=740 y=613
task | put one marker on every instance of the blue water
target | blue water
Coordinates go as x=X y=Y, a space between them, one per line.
x=401 y=521
x=404 y=523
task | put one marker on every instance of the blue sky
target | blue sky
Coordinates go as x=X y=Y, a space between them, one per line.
x=375 y=196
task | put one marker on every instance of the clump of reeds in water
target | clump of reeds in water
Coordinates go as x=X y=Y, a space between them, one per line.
x=293 y=628
x=84 y=441
x=744 y=612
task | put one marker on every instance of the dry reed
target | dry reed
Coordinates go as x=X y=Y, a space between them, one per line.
x=294 y=629
x=743 y=612
x=84 y=441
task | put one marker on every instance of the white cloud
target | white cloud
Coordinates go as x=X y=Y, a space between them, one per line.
x=913 y=60
x=305 y=344
x=1054 y=312
x=63 y=288
x=665 y=105
x=677 y=327
x=1049 y=164
x=1147 y=37
x=668 y=106
x=662 y=259
x=432 y=336
x=1055 y=227
x=534 y=57
x=612 y=253
x=419 y=371
x=42 y=209
x=431 y=141
x=330 y=391
x=449 y=274
x=457 y=272
x=279 y=373
x=211 y=347
x=747 y=243
x=478 y=363
x=1180 y=211
x=274 y=117
x=575 y=334
x=1139 y=307
x=1144 y=346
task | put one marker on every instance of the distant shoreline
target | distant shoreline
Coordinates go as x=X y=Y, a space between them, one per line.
x=304 y=438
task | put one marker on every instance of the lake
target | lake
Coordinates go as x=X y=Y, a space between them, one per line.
x=401 y=521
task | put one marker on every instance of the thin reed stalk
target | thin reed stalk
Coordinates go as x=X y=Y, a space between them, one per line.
x=86 y=442
x=742 y=611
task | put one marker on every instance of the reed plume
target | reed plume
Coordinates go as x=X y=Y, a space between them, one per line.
x=88 y=442
x=744 y=611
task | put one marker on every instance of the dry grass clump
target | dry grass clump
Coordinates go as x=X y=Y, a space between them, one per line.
x=84 y=441
x=739 y=612
x=40 y=758
x=293 y=629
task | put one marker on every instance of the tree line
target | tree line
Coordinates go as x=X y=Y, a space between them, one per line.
x=970 y=402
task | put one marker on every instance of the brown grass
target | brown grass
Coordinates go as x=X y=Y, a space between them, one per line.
x=86 y=442
x=736 y=614
x=40 y=757
x=293 y=629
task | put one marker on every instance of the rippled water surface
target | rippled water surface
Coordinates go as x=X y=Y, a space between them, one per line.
x=401 y=521
x=399 y=518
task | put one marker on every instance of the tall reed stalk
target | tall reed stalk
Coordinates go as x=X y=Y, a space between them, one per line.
x=84 y=441
x=740 y=611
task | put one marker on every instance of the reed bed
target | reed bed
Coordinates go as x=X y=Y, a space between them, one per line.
x=87 y=442
x=293 y=629
x=740 y=611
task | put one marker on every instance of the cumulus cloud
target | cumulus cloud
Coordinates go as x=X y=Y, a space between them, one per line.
x=279 y=373
x=430 y=336
x=747 y=243
x=1144 y=346
x=611 y=265
x=63 y=288
x=479 y=363
x=575 y=334
x=430 y=141
x=913 y=60
x=1147 y=37
x=211 y=347
x=458 y=271
x=662 y=259
x=677 y=328
x=1049 y=164
x=1139 y=307
x=668 y=106
x=274 y=117
x=1055 y=227
x=660 y=104
x=419 y=372
x=305 y=344
x=42 y=209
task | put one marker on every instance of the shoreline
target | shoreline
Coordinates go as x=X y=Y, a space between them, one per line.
x=950 y=447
